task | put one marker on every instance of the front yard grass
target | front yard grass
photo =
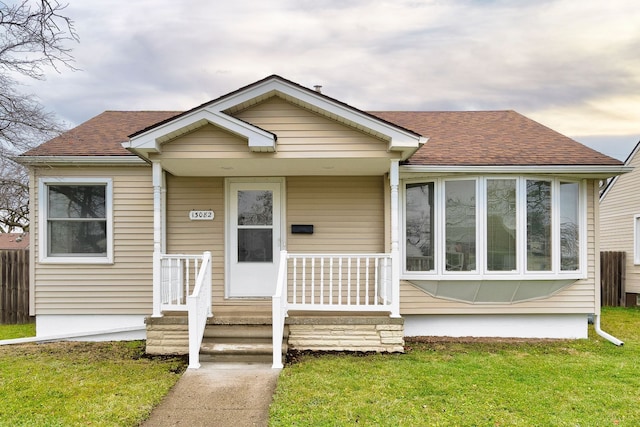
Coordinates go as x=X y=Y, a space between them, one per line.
x=8 y=332
x=482 y=383
x=81 y=383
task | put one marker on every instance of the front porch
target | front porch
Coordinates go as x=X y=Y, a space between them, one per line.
x=329 y=302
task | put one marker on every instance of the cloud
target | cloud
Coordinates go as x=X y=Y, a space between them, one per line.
x=570 y=65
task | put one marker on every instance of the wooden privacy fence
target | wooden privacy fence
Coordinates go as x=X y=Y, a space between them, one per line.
x=14 y=286
x=612 y=278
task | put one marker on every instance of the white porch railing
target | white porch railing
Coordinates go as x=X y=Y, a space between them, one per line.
x=331 y=282
x=185 y=285
x=178 y=275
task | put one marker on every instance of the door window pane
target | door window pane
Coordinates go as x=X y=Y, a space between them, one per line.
x=255 y=245
x=460 y=228
x=538 y=225
x=419 y=227
x=569 y=227
x=501 y=224
x=255 y=207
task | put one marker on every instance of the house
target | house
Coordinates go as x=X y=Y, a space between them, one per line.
x=620 y=224
x=14 y=241
x=340 y=229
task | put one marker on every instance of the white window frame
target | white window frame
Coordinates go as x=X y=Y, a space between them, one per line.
x=43 y=209
x=481 y=272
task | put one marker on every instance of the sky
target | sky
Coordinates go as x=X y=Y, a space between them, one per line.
x=572 y=65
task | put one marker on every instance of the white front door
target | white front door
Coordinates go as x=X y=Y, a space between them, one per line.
x=254 y=239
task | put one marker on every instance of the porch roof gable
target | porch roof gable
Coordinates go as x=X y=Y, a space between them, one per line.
x=220 y=112
x=150 y=141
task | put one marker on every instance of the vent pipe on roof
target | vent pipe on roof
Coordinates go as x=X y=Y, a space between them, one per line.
x=318 y=88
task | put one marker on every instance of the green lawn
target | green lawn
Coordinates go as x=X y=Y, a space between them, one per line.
x=79 y=384
x=8 y=332
x=560 y=383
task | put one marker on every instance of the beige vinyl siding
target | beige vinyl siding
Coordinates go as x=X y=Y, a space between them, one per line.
x=578 y=298
x=208 y=141
x=123 y=287
x=185 y=236
x=617 y=210
x=346 y=212
x=302 y=133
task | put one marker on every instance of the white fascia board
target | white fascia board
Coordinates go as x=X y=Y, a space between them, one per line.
x=596 y=171
x=150 y=141
x=81 y=160
x=399 y=139
x=259 y=139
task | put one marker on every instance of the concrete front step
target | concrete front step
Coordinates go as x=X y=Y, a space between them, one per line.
x=238 y=331
x=247 y=343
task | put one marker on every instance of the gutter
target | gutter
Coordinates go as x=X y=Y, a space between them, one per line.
x=66 y=337
x=603 y=334
x=127 y=160
x=587 y=171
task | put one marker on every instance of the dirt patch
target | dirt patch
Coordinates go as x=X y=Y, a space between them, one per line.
x=479 y=340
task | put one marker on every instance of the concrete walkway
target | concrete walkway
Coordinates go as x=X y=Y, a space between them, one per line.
x=218 y=394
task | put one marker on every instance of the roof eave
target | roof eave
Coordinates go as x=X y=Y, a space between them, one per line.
x=407 y=147
x=80 y=160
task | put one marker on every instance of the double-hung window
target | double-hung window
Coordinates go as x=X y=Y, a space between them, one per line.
x=75 y=220
x=494 y=227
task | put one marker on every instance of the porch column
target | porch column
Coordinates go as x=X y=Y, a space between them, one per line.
x=394 y=179
x=157 y=237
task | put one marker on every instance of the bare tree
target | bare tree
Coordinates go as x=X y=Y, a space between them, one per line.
x=34 y=36
x=14 y=197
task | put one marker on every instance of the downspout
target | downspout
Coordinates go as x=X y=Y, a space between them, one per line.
x=598 y=299
x=603 y=334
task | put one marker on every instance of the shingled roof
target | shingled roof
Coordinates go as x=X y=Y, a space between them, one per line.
x=13 y=241
x=102 y=135
x=460 y=138
x=491 y=138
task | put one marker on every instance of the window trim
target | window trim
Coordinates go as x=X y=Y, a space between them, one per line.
x=481 y=272
x=43 y=209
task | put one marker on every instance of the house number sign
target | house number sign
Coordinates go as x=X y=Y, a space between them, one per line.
x=201 y=215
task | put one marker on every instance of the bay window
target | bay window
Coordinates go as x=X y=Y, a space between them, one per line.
x=493 y=227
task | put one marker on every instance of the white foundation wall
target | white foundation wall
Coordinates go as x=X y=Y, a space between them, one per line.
x=91 y=327
x=558 y=326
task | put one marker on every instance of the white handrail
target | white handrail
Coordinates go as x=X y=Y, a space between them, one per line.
x=199 y=308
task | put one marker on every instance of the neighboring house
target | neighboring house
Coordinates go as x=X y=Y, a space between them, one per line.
x=444 y=223
x=620 y=223
x=14 y=241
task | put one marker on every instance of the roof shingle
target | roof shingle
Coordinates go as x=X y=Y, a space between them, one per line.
x=491 y=138
x=458 y=138
x=102 y=135
x=13 y=241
